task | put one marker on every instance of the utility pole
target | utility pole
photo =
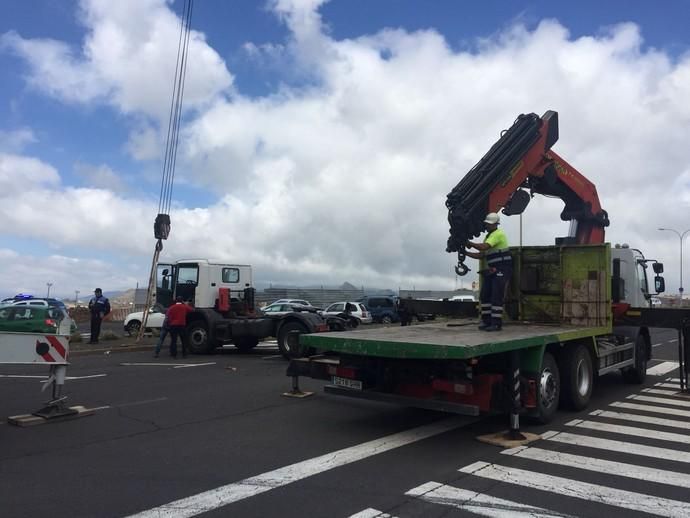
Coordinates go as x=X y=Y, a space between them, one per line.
x=76 y=298
x=49 y=284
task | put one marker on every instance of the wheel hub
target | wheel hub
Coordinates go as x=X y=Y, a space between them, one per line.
x=547 y=387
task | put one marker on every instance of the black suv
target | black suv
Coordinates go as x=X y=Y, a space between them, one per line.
x=383 y=308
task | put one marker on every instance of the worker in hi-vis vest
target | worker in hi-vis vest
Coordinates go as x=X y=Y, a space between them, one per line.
x=496 y=267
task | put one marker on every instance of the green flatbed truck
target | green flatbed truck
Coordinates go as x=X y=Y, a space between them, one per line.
x=562 y=331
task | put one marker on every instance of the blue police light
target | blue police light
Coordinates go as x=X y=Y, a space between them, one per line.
x=23 y=296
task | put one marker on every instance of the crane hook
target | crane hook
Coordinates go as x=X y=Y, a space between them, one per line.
x=461 y=268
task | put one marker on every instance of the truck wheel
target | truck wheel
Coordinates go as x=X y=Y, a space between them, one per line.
x=638 y=372
x=386 y=319
x=578 y=376
x=548 y=390
x=283 y=345
x=245 y=343
x=133 y=327
x=198 y=340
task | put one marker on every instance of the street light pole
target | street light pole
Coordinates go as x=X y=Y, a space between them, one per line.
x=680 y=237
x=49 y=284
x=76 y=298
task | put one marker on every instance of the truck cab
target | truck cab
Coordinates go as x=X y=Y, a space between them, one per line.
x=631 y=277
x=199 y=281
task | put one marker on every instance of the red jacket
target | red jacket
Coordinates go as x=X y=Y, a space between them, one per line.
x=177 y=314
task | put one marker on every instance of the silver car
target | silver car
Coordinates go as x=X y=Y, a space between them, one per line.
x=360 y=312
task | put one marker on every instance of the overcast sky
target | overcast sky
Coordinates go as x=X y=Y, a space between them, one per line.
x=320 y=139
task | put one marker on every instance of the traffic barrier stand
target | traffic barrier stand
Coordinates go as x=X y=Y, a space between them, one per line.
x=49 y=350
x=293 y=344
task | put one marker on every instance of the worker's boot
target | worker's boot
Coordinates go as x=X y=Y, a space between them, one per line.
x=484 y=325
x=496 y=325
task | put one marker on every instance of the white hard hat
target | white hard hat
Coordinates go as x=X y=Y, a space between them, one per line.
x=492 y=218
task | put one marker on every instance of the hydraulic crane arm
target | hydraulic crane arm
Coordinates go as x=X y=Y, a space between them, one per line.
x=516 y=167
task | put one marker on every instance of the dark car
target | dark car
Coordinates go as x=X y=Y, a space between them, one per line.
x=30 y=319
x=382 y=308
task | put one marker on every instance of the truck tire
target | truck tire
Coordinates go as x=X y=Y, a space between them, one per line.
x=245 y=343
x=548 y=389
x=198 y=340
x=577 y=376
x=386 y=319
x=638 y=372
x=282 y=337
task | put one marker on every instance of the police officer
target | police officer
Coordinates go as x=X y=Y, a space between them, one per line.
x=99 y=307
x=496 y=267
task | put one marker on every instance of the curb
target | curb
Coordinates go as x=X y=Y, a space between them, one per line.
x=121 y=348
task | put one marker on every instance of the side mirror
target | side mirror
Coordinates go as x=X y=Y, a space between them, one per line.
x=659 y=284
x=658 y=268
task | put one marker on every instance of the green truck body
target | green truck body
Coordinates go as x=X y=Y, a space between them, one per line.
x=558 y=331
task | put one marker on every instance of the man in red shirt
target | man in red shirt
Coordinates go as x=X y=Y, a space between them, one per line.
x=177 y=321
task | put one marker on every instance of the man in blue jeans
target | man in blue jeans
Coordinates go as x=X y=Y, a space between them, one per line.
x=165 y=330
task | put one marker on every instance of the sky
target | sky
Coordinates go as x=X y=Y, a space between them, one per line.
x=319 y=139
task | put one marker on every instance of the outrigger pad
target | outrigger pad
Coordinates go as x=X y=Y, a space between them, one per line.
x=298 y=394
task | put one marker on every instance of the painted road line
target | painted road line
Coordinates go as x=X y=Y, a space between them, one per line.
x=661 y=392
x=581 y=490
x=224 y=495
x=671 y=423
x=671 y=478
x=619 y=446
x=673 y=341
x=630 y=430
x=660 y=400
x=662 y=368
x=478 y=503
x=371 y=513
x=163 y=364
x=654 y=409
x=188 y=365
x=91 y=376
x=656 y=345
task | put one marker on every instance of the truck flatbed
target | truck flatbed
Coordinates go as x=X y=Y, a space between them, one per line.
x=456 y=339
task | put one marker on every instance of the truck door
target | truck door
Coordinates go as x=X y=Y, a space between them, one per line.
x=186 y=281
x=165 y=275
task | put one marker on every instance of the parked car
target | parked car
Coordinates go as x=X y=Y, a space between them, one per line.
x=290 y=301
x=132 y=322
x=31 y=319
x=279 y=309
x=383 y=308
x=360 y=312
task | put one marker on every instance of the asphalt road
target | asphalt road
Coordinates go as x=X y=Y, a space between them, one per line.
x=166 y=431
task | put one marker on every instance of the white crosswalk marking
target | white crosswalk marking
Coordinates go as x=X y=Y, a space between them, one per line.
x=660 y=400
x=654 y=409
x=668 y=385
x=672 y=423
x=662 y=368
x=631 y=430
x=661 y=392
x=371 y=513
x=478 y=503
x=619 y=446
x=582 y=490
x=672 y=478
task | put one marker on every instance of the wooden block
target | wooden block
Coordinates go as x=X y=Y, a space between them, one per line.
x=26 y=420
x=504 y=440
x=298 y=395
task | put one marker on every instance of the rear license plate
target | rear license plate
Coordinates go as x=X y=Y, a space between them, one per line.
x=347 y=383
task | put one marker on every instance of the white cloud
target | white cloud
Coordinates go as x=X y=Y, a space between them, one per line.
x=344 y=176
x=15 y=141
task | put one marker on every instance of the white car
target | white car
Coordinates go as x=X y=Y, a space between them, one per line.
x=279 y=308
x=360 y=312
x=290 y=301
x=155 y=320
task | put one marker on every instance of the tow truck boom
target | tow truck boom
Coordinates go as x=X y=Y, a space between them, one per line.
x=521 y=161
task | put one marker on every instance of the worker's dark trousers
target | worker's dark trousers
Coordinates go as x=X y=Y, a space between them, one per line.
x=492 y=294
x=95 y=327
x=176 y=331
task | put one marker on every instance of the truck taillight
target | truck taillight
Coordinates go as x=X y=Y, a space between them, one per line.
x=343 y=372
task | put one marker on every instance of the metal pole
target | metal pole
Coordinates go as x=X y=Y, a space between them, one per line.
x=49 y=284
x=680 y=238
x=514 y=433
